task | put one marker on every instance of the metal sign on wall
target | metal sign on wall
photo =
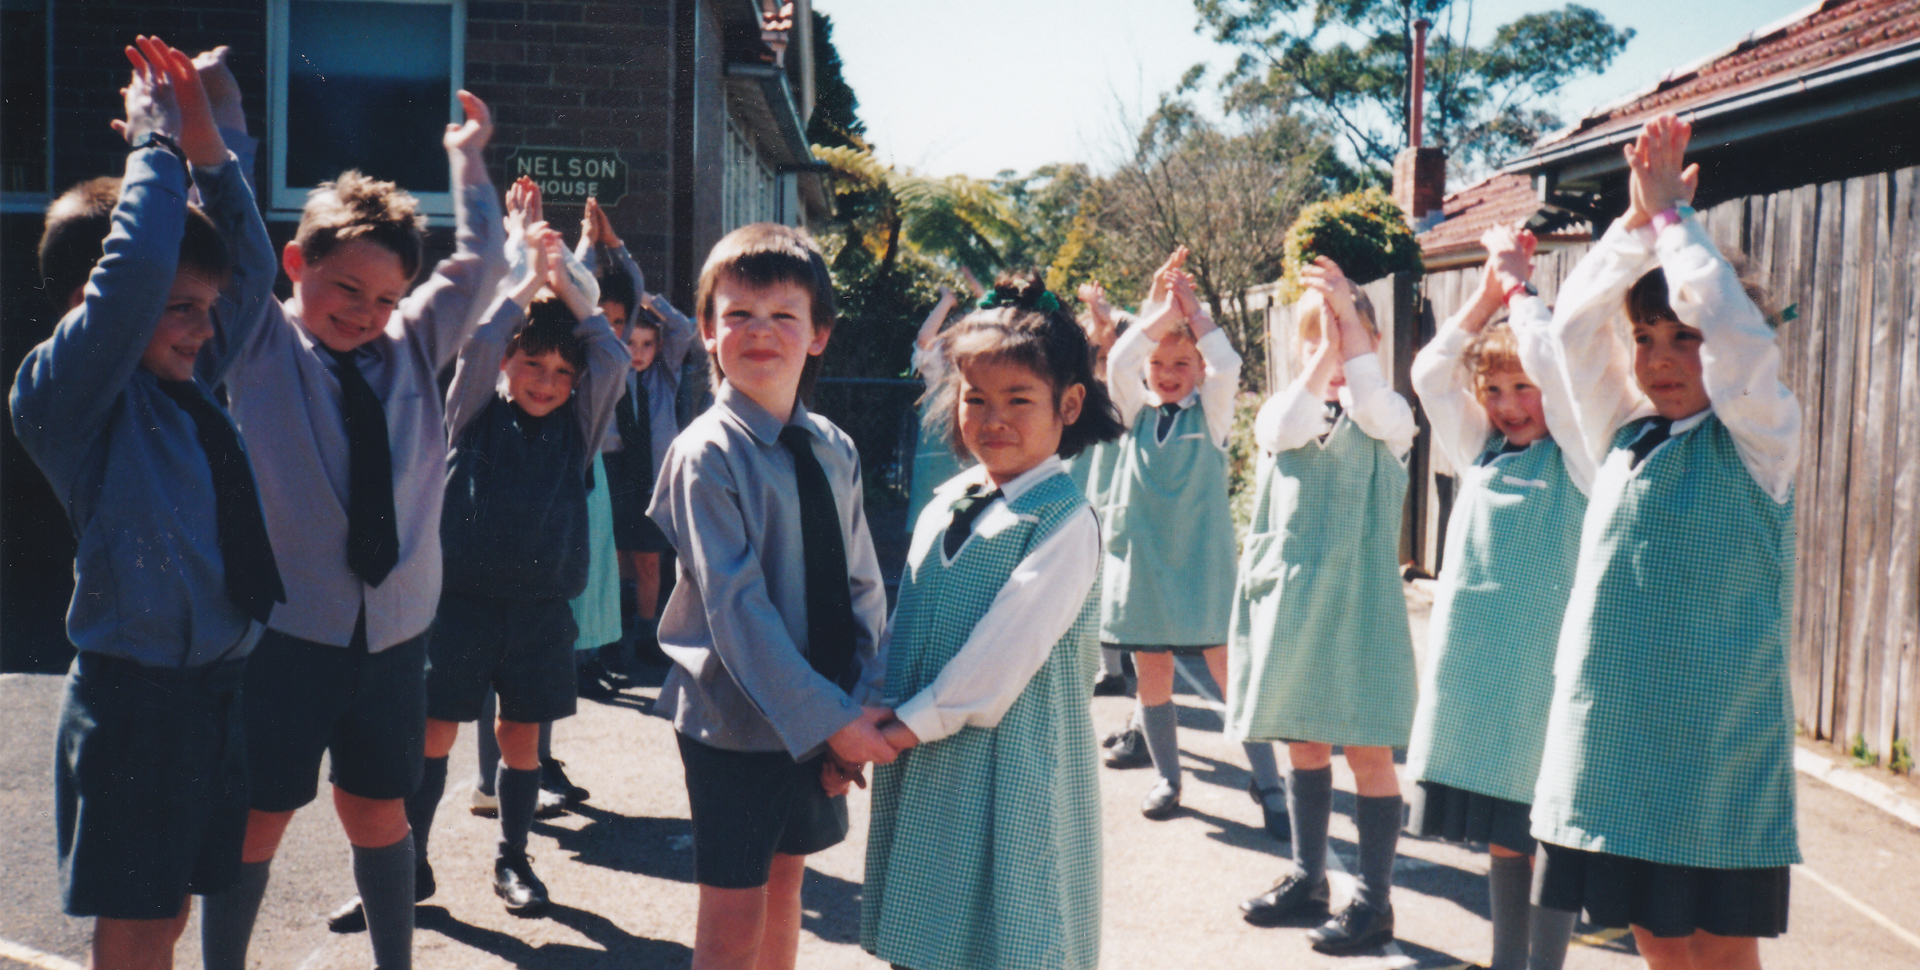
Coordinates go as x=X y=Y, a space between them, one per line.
x=567 y=176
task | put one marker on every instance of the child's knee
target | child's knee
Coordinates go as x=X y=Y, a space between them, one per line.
x=519 y=744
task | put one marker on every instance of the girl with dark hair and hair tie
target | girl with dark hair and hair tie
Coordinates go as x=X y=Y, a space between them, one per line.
x=985 y=844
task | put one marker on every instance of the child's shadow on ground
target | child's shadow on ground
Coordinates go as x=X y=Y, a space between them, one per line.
x=658 y=847
x=616 y=947
x=830 y=907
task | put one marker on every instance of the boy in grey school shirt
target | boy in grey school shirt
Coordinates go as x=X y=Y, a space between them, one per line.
x=339 y=396
x=174 y=575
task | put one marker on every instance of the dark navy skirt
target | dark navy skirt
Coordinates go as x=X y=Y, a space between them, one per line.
x=1439 y=811
x=1667 y=901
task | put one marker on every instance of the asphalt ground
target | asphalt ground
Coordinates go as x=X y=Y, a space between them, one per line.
x=620 y=869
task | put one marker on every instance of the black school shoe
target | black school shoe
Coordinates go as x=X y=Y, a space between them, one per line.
x=1112 y=685
x=553 y=779
x=1290 y=899
x=351 y=917
x=1127 y=749
x=1162 y=801
x=1358 y=927
x=593 y=682
x=516 y=885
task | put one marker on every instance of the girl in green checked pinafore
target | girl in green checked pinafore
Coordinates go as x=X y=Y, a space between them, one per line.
x=984 y=851
x=1499 y=406
x=1666 y=791
x=1092 y=469
x=1321 y=651
x=1167 y=585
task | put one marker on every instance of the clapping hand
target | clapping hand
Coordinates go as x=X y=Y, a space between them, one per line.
x=473 y=135
x=152 y=104
x=1660 y=178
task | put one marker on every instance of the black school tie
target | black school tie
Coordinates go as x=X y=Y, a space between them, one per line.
x=964 y=512
x=636 y=437
x=830 y=624
x=252 y=576
x=373 y=538
x=1334 y=410
x=1658 y=430
x=1169 y=413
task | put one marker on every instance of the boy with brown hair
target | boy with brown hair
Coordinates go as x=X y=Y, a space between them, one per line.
x=774 y=624
x=150 y=784
x=340 y=396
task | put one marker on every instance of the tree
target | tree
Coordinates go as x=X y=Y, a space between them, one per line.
x=1348 y=64
x=1225 y=190
x=836 y=109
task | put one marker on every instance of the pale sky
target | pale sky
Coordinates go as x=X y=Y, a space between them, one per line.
x=978 y=86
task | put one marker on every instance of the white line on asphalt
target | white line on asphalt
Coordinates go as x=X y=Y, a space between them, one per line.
x=1865 y=910
x=35 y=958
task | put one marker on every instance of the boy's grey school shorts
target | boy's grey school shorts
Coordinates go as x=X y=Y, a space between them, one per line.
x=522 y=649
x=368 y=711
x=150 y=785
x=749 y=805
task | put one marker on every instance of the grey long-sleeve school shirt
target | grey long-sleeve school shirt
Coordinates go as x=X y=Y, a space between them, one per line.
x=125 y=460
x=286 y=398
x=679 y=343
x=736 y=625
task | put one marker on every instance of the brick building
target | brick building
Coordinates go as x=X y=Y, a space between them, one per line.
x=686 y=117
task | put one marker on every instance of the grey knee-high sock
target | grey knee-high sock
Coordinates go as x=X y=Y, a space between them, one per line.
x=1160 y=726
x=424 y=801
x=519 y=793
x=385 y=879
x=226 y=918
x=1266 y=770
x=546 y=741
x=1110 y=662
x=489 y=748
x=1552 y=929
x=1310 y=803
x=1509 y=878
x=1379 y=823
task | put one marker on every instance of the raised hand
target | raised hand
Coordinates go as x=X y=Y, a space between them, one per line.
x=602 y=225
x=538 y=238
x=223 y=91
x=472 y=136
x=560 y=281
x=1660 y=178
x=1340 y=322
x=522 y=204
x=152 y=105
x=1163 y=278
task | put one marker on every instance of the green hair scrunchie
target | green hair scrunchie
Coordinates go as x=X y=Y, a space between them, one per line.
x=1047 y=303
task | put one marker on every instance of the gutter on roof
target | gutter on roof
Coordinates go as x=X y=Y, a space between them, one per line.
x=1905 y=55
x=765 y=97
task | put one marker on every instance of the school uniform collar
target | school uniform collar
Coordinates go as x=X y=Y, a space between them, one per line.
x=1025 y=481
x=1192 y=398
x=757 y=420
x=1688 y=424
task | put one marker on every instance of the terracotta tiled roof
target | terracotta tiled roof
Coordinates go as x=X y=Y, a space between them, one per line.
x=1503 y=199
x=1821 y=36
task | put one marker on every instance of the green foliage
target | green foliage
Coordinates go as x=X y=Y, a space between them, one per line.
x=1863 y=756
x=1365 y=232
x=1902 y=760
x=1347 y=63
x=836 y=109
x=1243 y=457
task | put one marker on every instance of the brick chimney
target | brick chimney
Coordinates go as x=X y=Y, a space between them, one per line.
x=1420 y=174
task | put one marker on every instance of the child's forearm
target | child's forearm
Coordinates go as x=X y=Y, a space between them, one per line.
x=1378 y=410
x=1460 y=425
x=1739 y=357
x=1221 y=384
x=605 y=379
x=68 y=384
x=1126 y=372
x=1589 y=329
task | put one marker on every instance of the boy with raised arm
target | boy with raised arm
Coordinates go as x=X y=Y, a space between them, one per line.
x=149 y=780
x=340 y=396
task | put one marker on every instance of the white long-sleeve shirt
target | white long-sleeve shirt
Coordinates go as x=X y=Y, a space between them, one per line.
x=1127 y=379
x=1739 y=359
x=1460 y=424
x=1296 y=415
x=1029 y=615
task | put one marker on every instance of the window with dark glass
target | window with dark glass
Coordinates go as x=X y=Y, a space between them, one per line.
x=23 y=96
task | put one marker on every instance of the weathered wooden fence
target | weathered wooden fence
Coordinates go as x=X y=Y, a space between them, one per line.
x=1847 y=256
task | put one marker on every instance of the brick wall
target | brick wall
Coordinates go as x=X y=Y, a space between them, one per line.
x=586 y=75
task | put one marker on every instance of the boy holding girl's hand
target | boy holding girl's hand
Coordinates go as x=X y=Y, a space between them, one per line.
x=774 y=623
x=340 y=397
x=174 y=575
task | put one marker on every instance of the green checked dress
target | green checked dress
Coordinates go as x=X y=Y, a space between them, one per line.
x=933 y=464
x=984 y=852
x=1671 y=733
x=1488 y=675
x=1321 y=650
x=1168 y=575
x=1092 y=470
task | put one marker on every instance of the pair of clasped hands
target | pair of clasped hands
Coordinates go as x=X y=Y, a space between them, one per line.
x=875 y=736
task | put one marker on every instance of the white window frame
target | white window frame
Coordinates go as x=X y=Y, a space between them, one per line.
x=288 y=200
x=751 y=190
x=38 y=201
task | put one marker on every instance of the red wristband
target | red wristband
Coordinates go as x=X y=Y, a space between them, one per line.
x=1506 y=298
